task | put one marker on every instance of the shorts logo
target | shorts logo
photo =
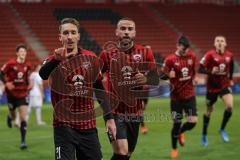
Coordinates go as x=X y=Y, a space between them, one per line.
x=230 y=89
x=86 y=65
x=27 y=99
x=44 y=62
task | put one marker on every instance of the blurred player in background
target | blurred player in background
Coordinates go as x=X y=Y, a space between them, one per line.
x=36 y=95
x=74 y=136
x=127 y=118
x=2 y=88
x=180 y=68
x=145 y=100
x=218 y=64
x=15 y=75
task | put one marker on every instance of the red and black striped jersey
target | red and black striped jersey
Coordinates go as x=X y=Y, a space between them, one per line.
x=181 y=87
x=120 y=68
x=18 y=73
x=72 y=90
x=216 y=83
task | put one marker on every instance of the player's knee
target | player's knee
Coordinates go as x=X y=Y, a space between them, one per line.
x=192 y=119
x=229 y=108
x=121 y=151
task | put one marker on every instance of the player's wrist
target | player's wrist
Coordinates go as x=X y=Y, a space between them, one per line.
x=57 y=56
x=108 y=116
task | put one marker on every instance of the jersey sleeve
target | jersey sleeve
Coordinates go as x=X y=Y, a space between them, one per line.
x=205 y=61
x=167 y=65
x=151 y=59
x=5 y=68
x=105 y=61
x=194 y=65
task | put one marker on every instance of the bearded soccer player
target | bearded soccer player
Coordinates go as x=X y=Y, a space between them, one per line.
x=218 y=64
x=73 y=78
x=180 y=69
x=15 y=75
x=124 y=70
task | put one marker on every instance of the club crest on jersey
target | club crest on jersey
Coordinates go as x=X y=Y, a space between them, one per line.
x=15 y=68
x=86 y=65
x=25 y=69
x=127 y=72
x=78 y=80
x=190 y=61
x=227 y=59
x=177 y=64
x=215 y=59
x=114 y=57
x=137 y=57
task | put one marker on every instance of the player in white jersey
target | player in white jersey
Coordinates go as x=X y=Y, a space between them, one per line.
x=36 y=95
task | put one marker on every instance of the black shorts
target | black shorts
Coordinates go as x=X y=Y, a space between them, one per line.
x=189 y=106
x=211 y=98
x=14 y=102
x=128 y=128
x=71 y=144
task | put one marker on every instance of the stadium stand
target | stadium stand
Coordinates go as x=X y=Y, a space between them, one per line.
x=202 y=22
x=99 y=21
x=10 y=37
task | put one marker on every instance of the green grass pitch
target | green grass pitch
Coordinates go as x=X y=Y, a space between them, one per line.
x=155 y=145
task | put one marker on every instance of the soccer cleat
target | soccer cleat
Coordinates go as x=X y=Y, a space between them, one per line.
x=181 y=139
x=174 y=153
x=204 y=140
x=224 y=135
x=9 y=122
x=144 y=130
x=23 y=146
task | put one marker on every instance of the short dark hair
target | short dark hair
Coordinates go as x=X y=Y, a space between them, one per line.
x=183 y=40
x=125 y=19
x=221 y=36
x=69 y=20
x=19 y=46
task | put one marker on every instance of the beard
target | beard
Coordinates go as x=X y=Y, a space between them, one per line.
x=126 y=43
